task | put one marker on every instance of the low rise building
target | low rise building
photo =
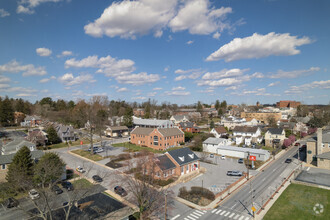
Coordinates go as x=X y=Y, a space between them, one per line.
x=14 y=146
x=66 y=133
x=211 y=144
x=247 y=135
x=263 y=117
x=274 y=137
x=157 y=138
x=176 y=119
x=189 y=127
x=38 y=137
x=152 y=123
x=31 y=121
x=116 y=131
x=219 y=132
x=287 y=104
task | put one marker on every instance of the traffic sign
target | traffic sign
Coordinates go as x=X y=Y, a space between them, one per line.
x=253 y=158
x=81 y=143
x=253 y=208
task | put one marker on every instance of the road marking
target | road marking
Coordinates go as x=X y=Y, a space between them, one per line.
x=214 y=210
x=222 y=212
x=233 y=206
x=218 y=211
x=195 y=216
x=274 y=169
x=308 y=168
x=241 y=218
x=232 y=214
x=175 y=217
x=247 y=218
x=186 y=219
x=196 y=213
x=227 y=214
x=236 y=217
x=263 y=179
x=191 y=217
x=204 y=211
x=200 y=212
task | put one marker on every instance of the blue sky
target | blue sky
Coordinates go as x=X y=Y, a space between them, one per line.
x=176 y=51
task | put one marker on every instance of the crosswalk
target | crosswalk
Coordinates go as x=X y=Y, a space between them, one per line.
x=229 y=214
x=195 y=215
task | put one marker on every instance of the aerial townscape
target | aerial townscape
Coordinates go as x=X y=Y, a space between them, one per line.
x=164 y=110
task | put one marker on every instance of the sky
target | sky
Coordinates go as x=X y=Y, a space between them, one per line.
x=178 y=51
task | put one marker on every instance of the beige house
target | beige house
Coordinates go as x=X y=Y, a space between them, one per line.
x=116 y=131
x=318 y=149
x=261 y=116
x=274 y=136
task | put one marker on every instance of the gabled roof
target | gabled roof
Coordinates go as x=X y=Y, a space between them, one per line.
x=164 y=163
x=187 y=124
x=245 y=129
x=7 y=159
x=16 y=144
x=142 y=131
x=325 y=155
x=275 y=130
x=151 y=122
x=183 y=155
x=118 y=128
x=168 y=132
x=220 y=130
x=213 y=140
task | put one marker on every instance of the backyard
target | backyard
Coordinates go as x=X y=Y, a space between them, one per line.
x=301 y=202
x=135 y=148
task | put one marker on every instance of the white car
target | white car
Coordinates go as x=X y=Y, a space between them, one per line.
x=99 y=150
x=223 y=157
x=80 y=169
x=34 y=194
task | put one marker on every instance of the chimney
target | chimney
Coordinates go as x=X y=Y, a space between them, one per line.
x=319 y=141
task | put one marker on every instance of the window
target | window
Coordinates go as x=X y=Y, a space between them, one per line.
x=156 y=140
x=157 y=174
x=187 y=168
x=182 y=169
x=3 y=166
x=165 y=174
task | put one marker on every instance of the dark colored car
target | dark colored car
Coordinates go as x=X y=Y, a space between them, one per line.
x=288 y=160
x=67 y=185
x=240 y=160
x=56 y=189
x=11 y=202
x=120 y=191
x=97 y=178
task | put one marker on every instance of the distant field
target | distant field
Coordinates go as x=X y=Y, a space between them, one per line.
x=298 y=201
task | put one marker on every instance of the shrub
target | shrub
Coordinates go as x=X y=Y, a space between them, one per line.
x=196 y=192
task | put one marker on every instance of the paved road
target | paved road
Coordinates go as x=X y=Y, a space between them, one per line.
x=238 y=206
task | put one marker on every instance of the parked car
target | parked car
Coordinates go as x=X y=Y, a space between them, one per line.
x=288 y=160
x=97 y=178
x=297 y=144
x=56 y=189
x=94 y=148
x=33 y=194
x=99 y=150
x=67 y=185
x=211 y=155
x=80 y=169
x=11 y=202
x=240 y=160
x=120 y=191
x=234 y=173
x=223 y=157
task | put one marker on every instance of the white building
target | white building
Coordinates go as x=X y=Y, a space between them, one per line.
x=243 y=152
x=247 y=135
x=176 y=119
x=211 y=144
x=152 y=123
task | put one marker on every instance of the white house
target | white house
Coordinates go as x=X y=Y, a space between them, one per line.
x=247 y=134
x=176 y=119
x=243 y=152
x=218 y=132
x=211 y=144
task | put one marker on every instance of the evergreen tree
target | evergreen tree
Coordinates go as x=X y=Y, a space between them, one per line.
x=20 y=171
x=199 y=106
x=6 y=112
x=212 y=124
x=223 y=104
x=217 y=105
x=128 y=119
x=52 y=136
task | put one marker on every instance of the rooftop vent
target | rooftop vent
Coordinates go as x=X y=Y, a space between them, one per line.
x=191 y=156
x=181 y=158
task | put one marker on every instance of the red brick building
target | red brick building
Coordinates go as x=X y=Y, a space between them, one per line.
x=287 y=104
x=189 y=127
x=157 y=138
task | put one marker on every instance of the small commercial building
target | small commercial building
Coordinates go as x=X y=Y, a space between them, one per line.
x=211 y=144
x=116 y=131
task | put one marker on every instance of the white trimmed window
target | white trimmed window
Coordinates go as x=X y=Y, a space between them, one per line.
x=3 y=166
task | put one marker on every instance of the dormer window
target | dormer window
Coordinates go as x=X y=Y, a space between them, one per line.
x=191 y=156
x=181 y=158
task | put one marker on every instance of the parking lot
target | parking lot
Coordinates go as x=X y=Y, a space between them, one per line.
x=215 y=178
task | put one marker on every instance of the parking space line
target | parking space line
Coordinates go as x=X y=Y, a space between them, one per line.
x=175 y=217
x=200 y=212
x=192 y=215
x=214 y=210
x=218 y=211
x=223 y=212
x=227 y=214
x=236 y=217
x=231 y=215
x=196 y=213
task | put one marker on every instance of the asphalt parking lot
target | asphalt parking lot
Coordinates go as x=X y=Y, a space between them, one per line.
x=215 y=178
x=315 y=176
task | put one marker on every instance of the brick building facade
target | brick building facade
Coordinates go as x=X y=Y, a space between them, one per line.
x=287 y=104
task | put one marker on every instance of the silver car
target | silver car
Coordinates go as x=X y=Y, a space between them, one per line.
x=33 y=194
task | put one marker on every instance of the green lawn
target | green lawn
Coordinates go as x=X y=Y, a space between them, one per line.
x=63 y=144
x=88 y=155
x=81 y=184
x=136 y=148
x=298 y=201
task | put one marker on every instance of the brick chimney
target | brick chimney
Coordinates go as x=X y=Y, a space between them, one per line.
x=319 y=141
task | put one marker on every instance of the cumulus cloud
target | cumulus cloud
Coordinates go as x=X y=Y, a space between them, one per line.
x=216 y=35
x=305 y=87
x=139 y=98
x=273 y=84
x=152 y=94
x=44 y=80
x=122 y=89
x=225 y=73
x=177 y=91
x=43 y=52
x=157 y=88
x=190 y=42
x=188 y=74
x=25 y=95
x=27 y=70
x=138 y=79
x=128 y=19
x=65 y=53
x=69 y=80
x=3 y=13
x=258 y=46
x=4 y=79
x=4 y=86
x=27 y=6
x=256 y=92
x=294 y=73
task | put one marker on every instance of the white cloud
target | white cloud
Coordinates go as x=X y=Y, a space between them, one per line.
x=177 y=91
x=44 y=80
x=157 y=88
x=190 y=42
x=69 y=80
x=216 y=35
x=27 y=6
x=273 y=84
x=139 y=98
x=294 y=73
x=25 y=95
x=138 y=79
x=232 y=88
x=3 y=13
x=166 y=69
x=188 y=74
x=128 y=19
x=233 y=81
x=4 y=79
x=258 y=46
x=152 y=94
x=257 y=92
x=179 y=88
x=198 y=17
x=27 y=70
x=4 y=86
x=65 y=53
x=308 y=86
x=225 y=73
x=43 y=52
x=208 y=90
x=122 y=89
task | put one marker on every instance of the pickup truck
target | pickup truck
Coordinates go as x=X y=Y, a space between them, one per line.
x=234 y=173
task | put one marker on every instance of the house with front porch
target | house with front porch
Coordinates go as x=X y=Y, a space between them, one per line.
x=247 y=135
x=274 y=137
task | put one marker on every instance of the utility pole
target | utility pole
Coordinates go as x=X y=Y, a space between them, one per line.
x=247 y=167
x=165 y=204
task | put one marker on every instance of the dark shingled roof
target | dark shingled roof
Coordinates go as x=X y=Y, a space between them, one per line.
x=7 y=159
x=164 y=163
x=245 y=129
x=325 y=155
x=275 y=130
x=183 y=155
x=220 y=130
